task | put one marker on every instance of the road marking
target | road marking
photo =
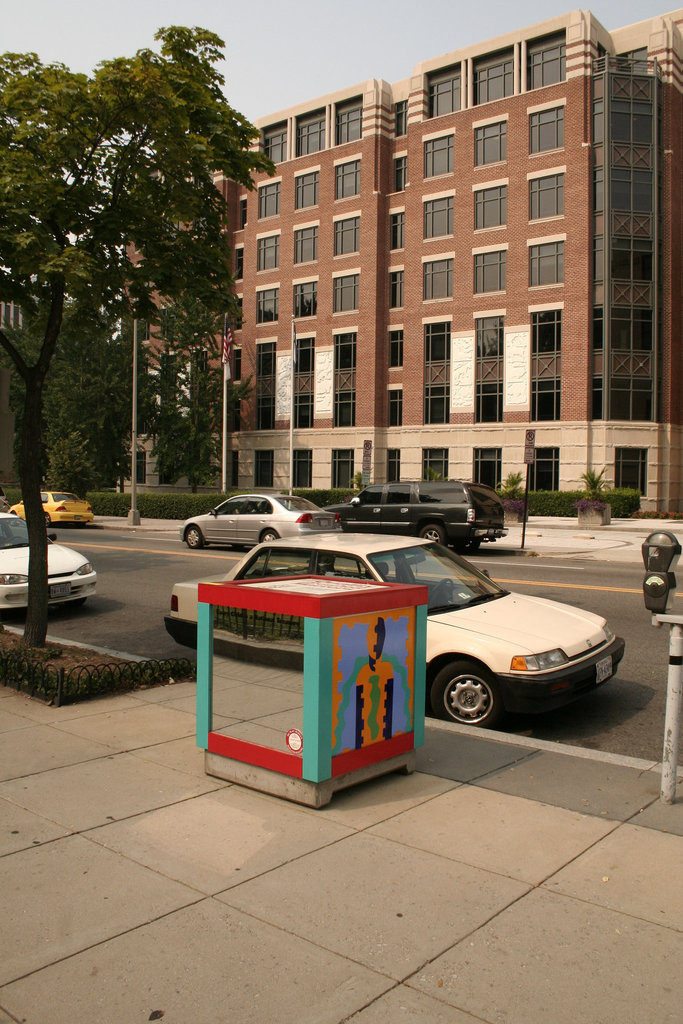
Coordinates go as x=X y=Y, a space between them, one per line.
x=571 y=586
x=148 y=551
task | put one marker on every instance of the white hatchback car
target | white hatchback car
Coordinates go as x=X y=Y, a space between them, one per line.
x=488 y=650
x=71 y=576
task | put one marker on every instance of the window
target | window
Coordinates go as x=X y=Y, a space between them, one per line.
x=487 y=466
x=435 y=463
x=306 y=299
x=400 y=173
x=438 y=156
x=239 y=263
x=444 y=92
x=488 y=394
x=275 y=142
x=631 y=259
x=310 y=133
x=490 y=207
x=347 y=180
x=302 y=467
x=437 y=279
x=437 y=347
x=342 y=467
x=345 y=380
x=393 y=464
x=493 y=77
x=546 y=196
x=546 y=263
x=267 y=305
x=546 y=365
x=305 y=245
x=263 y=468
x=237 y=364
x=349 y=122
x=396 y=348
x=397 y=223
x=141 y=466
x=306 y=190
x=269 y=199
x=396 y=407
x=267 y=252
x=438 y=217
x=304 y=383
x=631 y=190
x=546 y=61
x=401 y=117
x=346 y=236
x=546 y=130
x=489 y=271
x=630 y=468
x=234 y=468
x=395 y=289
x=545 y=471
x=265 y=385
x=346 y=293
x=490 y=143
x=243 y=213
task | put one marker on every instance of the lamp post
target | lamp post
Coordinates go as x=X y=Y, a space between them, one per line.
x=134 y=515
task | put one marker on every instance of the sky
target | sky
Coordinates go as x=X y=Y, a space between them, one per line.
x=283 y=52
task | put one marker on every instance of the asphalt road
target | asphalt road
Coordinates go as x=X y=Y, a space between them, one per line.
x=625 y=715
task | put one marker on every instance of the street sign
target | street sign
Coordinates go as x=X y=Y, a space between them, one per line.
x=367 y=460
x=530 y=447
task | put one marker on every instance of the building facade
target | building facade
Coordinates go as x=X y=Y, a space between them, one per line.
x=488 y=247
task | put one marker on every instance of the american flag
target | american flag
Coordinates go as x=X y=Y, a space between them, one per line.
x=227 y=346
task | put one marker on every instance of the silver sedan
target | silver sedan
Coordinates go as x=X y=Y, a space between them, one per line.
x=248 y=519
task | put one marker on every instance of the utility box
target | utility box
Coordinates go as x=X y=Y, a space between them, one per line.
x=362 y=707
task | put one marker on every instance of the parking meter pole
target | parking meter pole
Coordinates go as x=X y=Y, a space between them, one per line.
x=672 y=721
x=526 y=505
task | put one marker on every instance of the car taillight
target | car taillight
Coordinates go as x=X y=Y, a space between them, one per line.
x=337 y=517
x=61 y=508
x=89 y=508
x=174 y=602
x=471 y=515
x=305 y=517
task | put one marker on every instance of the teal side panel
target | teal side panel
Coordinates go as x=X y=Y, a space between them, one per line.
x=204 y=673
x=317 y=722
x=420 y=674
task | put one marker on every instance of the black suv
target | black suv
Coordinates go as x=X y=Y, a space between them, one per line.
x=447 y=511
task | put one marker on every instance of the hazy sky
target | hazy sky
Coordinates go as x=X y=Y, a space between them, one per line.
x=283 y=52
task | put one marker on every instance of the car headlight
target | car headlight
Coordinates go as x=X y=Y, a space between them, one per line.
x=11 y=578
x=538 y=662
x=609 y=635
x=84 y=570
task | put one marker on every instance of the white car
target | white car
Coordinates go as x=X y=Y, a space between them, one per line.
x=71 y=577
x=488 y=650
x=246 y=519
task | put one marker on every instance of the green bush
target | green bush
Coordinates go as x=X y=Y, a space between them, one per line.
x=625 y=503
x=325 y=496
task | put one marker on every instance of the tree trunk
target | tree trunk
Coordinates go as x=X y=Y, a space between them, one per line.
x=29 y=475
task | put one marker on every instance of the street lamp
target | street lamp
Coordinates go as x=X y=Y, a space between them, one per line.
x=134 y=515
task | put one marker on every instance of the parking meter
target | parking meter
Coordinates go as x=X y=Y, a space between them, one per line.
x=660 y=552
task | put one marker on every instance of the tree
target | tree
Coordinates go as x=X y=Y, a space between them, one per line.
x=108 y=201
x=187 y=425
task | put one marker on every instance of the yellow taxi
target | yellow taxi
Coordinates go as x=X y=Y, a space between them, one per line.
x=60 y=507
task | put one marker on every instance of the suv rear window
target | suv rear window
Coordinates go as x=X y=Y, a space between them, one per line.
x=451 y=493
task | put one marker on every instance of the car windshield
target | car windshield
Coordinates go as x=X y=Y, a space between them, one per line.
x=452 y=582
x=294 y=504
x=13 y=533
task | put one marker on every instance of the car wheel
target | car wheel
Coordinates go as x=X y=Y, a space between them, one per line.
x=433 y=532
x=194 y=537
x=467 y=693
x=268 y=535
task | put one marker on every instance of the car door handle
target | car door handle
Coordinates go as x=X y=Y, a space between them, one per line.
x=404 y=510
x=377 y=509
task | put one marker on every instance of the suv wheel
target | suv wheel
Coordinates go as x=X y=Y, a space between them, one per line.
x=466 y=693
x=433 y=532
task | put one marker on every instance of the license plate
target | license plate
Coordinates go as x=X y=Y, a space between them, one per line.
x=60 y=590
x=603 y=670
x=77 y=519
x=323 y=522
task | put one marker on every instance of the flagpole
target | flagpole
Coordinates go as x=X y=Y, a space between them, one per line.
x=224 y=461
x=291 y=413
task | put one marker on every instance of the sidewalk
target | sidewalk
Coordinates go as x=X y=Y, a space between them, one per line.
x=505 y=882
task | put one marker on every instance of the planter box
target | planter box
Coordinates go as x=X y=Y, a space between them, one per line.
x=596 y=516
x=512 y=518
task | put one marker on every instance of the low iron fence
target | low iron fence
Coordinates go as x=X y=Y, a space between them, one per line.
x=59 y=686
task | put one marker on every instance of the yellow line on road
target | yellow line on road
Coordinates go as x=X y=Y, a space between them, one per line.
x=572 y=586
x=150 y=551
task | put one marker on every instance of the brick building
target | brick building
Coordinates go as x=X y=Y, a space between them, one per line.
x=489 y=246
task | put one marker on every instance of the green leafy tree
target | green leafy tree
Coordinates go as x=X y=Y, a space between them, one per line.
x=70 y=465
x=187 y=426
x=108 y=201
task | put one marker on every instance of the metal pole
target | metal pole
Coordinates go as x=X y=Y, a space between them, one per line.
x=224 y=462
x=526 y=504
x=672 y=721
x=134 y=515
x=291 y=417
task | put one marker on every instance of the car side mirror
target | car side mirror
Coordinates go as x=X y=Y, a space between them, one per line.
x=355 y=501
x=214 y=513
